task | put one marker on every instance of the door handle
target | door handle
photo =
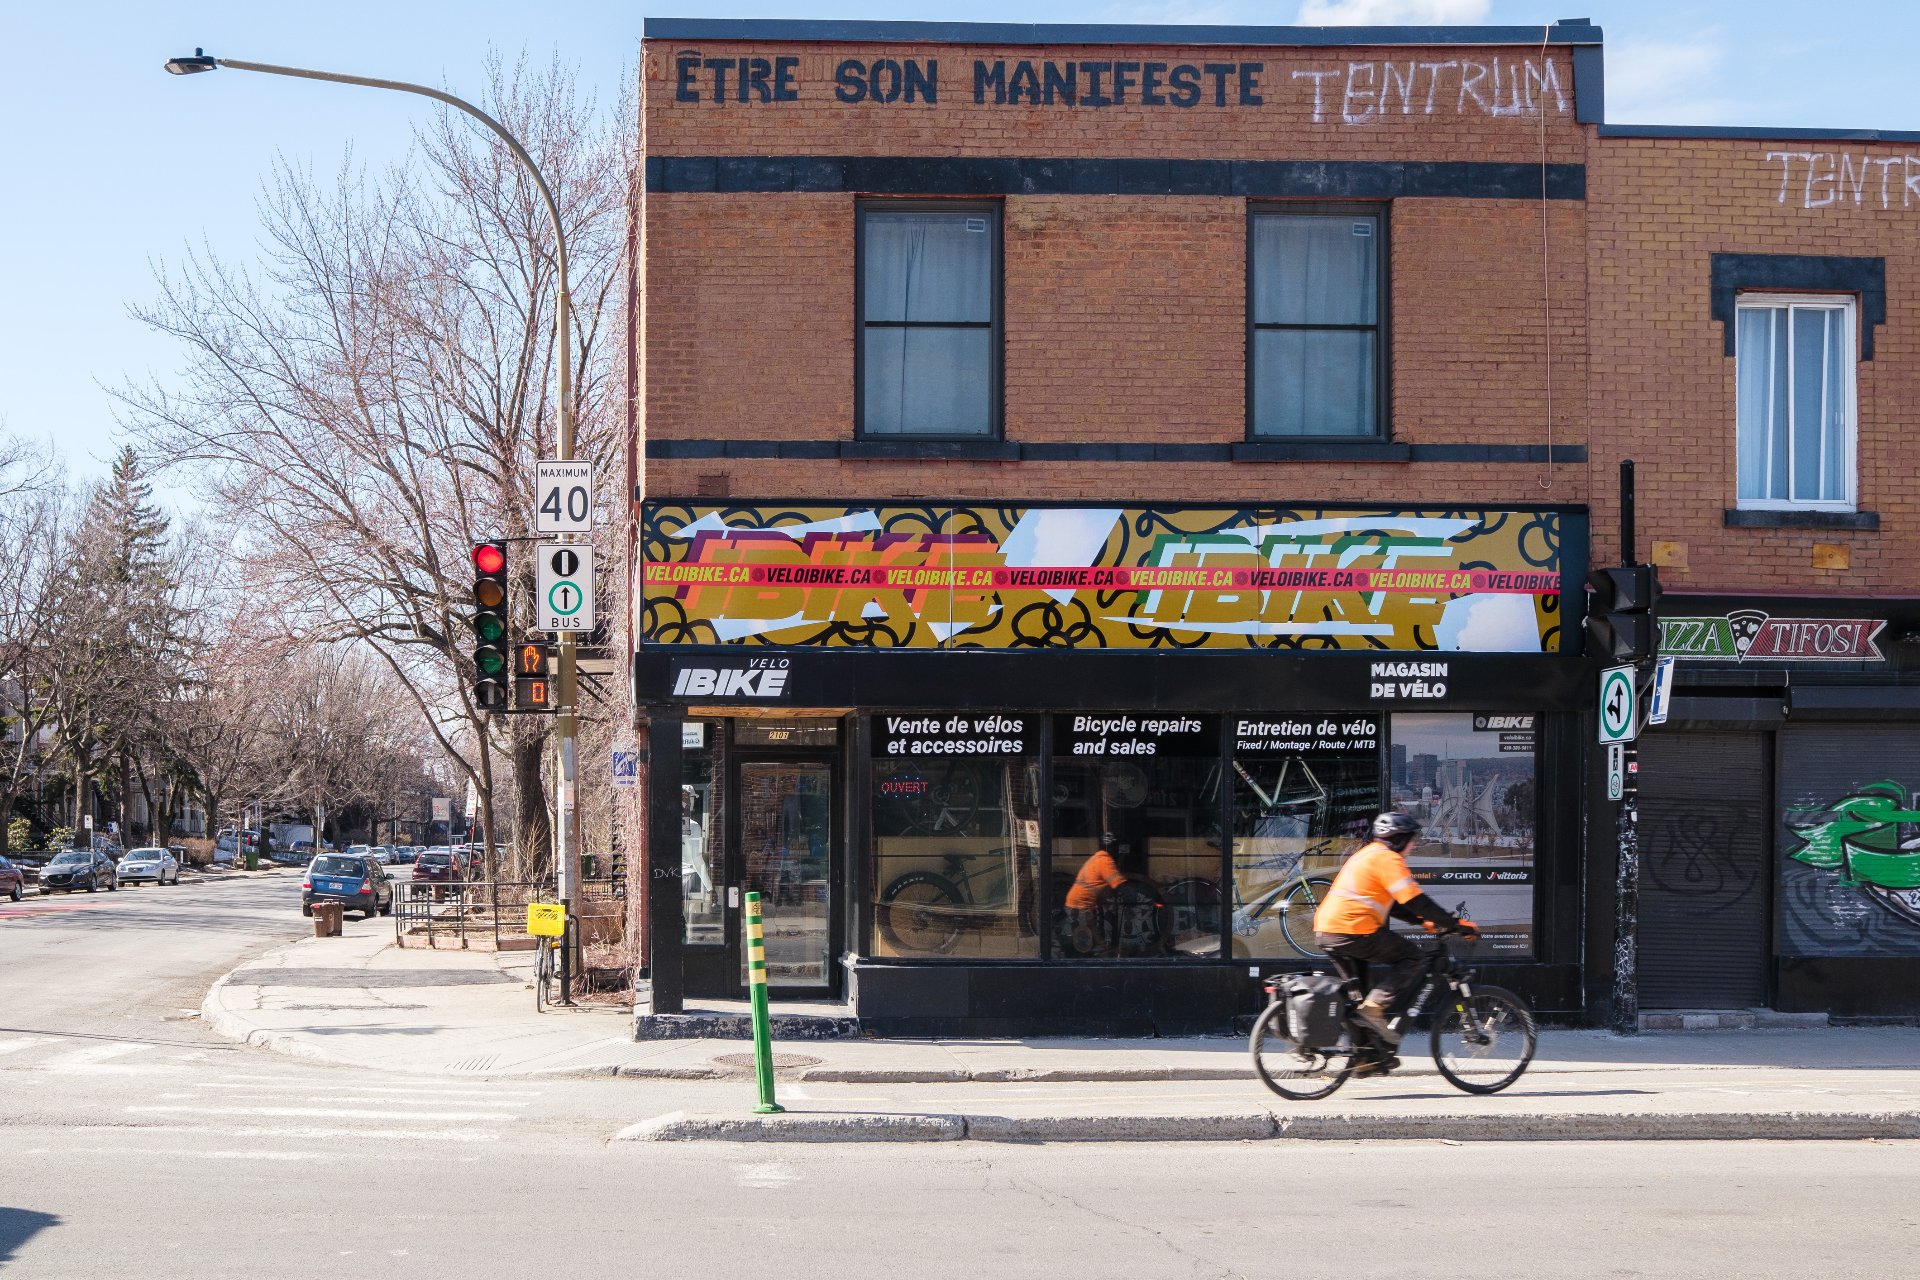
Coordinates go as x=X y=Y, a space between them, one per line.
x=733 y=895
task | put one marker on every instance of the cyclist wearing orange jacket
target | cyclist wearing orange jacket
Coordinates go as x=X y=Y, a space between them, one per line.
x=1351 y=923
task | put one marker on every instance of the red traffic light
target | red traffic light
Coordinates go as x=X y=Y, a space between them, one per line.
x=489 y=558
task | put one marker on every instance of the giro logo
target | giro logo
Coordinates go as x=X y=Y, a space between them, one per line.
x=731 y=682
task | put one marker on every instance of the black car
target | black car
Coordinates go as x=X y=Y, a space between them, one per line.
x=79 y=869
x=13 y=881
x=358 y=881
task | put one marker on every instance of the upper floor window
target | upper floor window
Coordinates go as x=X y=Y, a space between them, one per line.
x=1796 y=410
x=929 y=320
x=1314 y=300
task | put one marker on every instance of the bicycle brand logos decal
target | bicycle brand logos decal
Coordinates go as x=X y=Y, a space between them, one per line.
x=1002 y=577
x=1751 y=635
x=1871 y=837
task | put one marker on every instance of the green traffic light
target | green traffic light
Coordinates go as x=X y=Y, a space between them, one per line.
x=491 y=628
x=490 y=661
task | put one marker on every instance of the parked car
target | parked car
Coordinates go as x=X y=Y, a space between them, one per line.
x=13 y=881
x=355 y=879
x=150 y=863
x=436 y=866
x=79 y=869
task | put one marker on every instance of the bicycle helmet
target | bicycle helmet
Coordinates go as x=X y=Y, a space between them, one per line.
x=1395 y=828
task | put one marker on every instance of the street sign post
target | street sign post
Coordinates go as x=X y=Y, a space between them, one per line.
x=1660 y=701
x=442 y=809
x=1616 y=770
x=1618 y=718
x=563 y=587
x=563 y=497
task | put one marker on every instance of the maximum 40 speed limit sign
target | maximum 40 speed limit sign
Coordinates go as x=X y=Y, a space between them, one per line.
x=563 y=497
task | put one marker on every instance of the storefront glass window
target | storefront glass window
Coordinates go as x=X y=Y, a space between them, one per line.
x=1136 y=836
x=1305 y=790
x=956 y=836
x=700 y=896
x=1469 y=778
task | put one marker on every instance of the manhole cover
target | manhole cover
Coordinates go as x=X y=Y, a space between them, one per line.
x=781 y=1061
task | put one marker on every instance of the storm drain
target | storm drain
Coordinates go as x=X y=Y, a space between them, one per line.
x=781 y=1061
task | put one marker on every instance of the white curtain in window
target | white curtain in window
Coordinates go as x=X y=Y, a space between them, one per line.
x=1315 y=270
x=927 y=269
x=1792 y=403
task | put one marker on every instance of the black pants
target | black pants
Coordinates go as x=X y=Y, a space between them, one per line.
x=1396 y=961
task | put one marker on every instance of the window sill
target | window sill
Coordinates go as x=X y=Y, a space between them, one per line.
x=1753 y=518
x=917 y=450
x=1322 y=451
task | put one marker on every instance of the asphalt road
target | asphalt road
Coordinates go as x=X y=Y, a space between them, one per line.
x=135 y=1143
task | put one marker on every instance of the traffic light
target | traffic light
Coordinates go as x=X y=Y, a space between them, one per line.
x=490 y=625
x=532 y=689
x=1620 y=625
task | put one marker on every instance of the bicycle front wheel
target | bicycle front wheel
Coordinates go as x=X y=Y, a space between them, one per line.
x=1296 y=914
x=918 y=914
x=543 y=979
x=1482 y=1042
x=1289 y=1070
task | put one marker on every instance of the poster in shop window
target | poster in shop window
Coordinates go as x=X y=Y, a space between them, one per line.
x=1142 y=577
x=1469 y=779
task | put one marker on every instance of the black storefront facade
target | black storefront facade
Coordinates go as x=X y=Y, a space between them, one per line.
x=1780 y=811
x=909 y=726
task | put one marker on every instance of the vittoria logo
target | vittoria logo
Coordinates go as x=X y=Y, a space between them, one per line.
x=731 y=682
x=1749 y=635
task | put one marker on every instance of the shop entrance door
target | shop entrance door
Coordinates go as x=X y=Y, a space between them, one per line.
x=781 y=834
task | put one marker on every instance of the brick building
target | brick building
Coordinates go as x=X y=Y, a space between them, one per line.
x=1749 y=350
x=1181 y=441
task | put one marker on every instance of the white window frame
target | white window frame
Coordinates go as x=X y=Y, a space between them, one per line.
x=1848 y=304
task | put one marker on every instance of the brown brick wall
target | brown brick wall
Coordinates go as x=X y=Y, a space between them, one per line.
x=1663 y=391
x=1124 y=316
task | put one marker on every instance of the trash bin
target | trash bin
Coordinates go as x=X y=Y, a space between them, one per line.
x=328 y=919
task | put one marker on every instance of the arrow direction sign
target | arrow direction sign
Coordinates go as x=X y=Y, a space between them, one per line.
x=563 y=587
x=1617 y=719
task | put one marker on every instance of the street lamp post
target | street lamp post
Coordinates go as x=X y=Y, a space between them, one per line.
x=565 y=713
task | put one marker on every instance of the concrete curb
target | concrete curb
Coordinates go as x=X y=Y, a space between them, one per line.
x=684 y=1126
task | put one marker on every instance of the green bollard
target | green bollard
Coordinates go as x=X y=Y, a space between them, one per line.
x=762 y=1032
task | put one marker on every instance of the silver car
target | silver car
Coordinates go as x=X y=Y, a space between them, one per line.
x=149 y=864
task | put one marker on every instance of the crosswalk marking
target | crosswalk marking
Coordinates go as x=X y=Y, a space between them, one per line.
x=18 y=1043
x=335 y=1113
x=94 y=1057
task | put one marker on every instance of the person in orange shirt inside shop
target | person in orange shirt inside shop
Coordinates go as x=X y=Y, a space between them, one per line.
x=1351 y=922
x=1098 y=875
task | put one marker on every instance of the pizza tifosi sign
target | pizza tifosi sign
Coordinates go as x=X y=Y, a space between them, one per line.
x=762 y=679
x=1750 y=635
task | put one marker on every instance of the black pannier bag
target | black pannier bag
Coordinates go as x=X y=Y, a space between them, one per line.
x=1316 y=1009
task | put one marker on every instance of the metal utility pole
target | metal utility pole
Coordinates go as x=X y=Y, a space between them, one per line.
x=566 y=861
x=1626 y=885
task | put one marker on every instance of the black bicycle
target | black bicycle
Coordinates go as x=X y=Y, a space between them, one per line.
x=1310 y=1039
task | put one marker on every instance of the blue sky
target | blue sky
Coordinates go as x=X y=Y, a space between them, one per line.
x=114 y=166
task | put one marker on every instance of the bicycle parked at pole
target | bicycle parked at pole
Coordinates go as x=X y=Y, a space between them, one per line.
x=1309 y=1040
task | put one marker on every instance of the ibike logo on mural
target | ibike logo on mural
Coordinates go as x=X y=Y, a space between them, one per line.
x=1872 y=838
x=1104 y=577
x=1749 y=635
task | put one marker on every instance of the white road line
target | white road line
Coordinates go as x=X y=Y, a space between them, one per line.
x=92 y=1057
x=189 y=1153
x=297 y=1085
x=333 y=1113
x=21 y=1042
x=300 y=1133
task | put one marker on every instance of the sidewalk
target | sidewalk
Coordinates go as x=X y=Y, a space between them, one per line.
x=360 y=1001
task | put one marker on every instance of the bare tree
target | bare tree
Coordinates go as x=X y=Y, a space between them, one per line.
x=32 y=530
x=378 y=400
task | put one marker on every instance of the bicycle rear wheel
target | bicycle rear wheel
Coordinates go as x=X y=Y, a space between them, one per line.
x=1296 y=914
x=1482 y=1042
x=918 y=914
x=1289 y=1070
x=543 y=978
